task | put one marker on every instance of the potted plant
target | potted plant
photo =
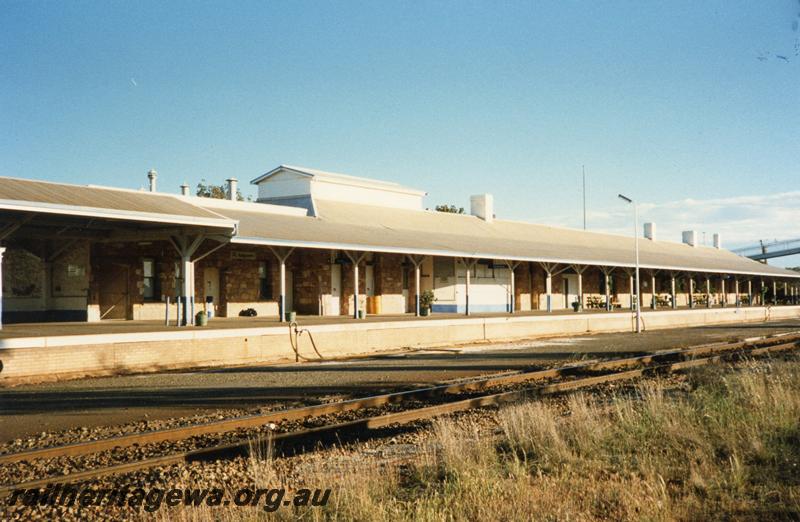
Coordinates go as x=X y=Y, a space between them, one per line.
x=576 y=305
x=425 y=301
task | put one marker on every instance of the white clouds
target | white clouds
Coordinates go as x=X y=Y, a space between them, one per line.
x=741 y=220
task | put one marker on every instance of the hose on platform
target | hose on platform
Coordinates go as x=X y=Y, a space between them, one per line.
x=294 y=339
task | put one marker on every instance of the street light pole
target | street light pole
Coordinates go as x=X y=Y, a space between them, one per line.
x=636 y=250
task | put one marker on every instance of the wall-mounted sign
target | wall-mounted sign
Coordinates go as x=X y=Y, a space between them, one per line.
x=75 y=271
x=250 y=256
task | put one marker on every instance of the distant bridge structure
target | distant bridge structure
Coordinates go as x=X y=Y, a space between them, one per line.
x=764 y=250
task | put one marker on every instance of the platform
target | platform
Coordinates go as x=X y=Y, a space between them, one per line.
x=64 y=350
x=58 y=329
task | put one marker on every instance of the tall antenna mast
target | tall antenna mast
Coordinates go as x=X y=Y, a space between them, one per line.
x=583 y=168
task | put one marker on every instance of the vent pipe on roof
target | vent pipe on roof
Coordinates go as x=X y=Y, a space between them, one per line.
x=152 y=175
x=184 y=189
x=717 y=240
x=482 y=206
x=232 y=188
x=690 y=237
x=650 y=231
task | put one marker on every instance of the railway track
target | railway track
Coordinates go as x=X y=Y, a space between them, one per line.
x=447 y=398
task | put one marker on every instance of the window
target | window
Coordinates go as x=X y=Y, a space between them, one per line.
x=611 y=287
x=150 y=288
x=265 y=281
x=76 y=270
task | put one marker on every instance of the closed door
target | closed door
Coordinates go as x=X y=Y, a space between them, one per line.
x=570 y=289
x=336 y=291
x=113 y=291
x=211 y=288
x=405 y=276
x=370 y=281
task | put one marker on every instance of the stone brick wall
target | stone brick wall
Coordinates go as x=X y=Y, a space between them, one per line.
x=133 y=255
x=522 y=287
x=36 y=288
x=538 y=292
x=70 y=272
x=311 y=278
x=23 y=275
x=592 y=282
x=389 y=282
x=238 y=267
x=388 y=274
x=239 y=279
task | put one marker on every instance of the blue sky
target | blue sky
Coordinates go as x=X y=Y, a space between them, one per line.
x=686 y=106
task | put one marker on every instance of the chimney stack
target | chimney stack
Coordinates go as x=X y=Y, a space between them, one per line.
x=482 y=206
x=650 y=231
x=152 y=175
x=232 y=188
x=184 y=189
x=690 y=237
x=717 y=240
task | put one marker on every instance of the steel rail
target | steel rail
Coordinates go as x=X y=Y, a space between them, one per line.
x=244 y=448
x=475 y=385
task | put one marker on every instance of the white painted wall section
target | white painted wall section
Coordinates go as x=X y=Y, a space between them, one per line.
x=489 y=289
x=364 y=195
x=284 y=184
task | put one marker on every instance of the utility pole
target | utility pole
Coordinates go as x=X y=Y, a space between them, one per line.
x=636 y=256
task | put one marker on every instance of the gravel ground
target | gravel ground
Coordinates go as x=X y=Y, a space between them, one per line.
x=26 y=471
x=391 y=446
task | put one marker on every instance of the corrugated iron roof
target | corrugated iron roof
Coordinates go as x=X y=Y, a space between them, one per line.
x=342 y=225
x=63 y=198
x=363 y=227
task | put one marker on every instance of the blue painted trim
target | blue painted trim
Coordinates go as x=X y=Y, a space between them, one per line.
x=474 y=308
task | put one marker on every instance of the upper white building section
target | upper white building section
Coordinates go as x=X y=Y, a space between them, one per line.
x=299 y=186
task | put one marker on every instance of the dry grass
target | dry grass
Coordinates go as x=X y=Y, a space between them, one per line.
x=728 y=448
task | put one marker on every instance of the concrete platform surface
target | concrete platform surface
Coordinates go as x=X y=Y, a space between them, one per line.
x=30 y=409
x=109 y=327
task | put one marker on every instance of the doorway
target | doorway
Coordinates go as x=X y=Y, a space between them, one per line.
x=370 y=280
x=406 y=282
x=113 y=290
x=334 y=302
x=211 y=289
x=570 y=289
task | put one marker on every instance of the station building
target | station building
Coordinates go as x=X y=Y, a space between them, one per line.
x=325 y=244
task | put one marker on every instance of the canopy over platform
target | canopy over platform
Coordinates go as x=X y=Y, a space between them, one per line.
x=348 y=226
